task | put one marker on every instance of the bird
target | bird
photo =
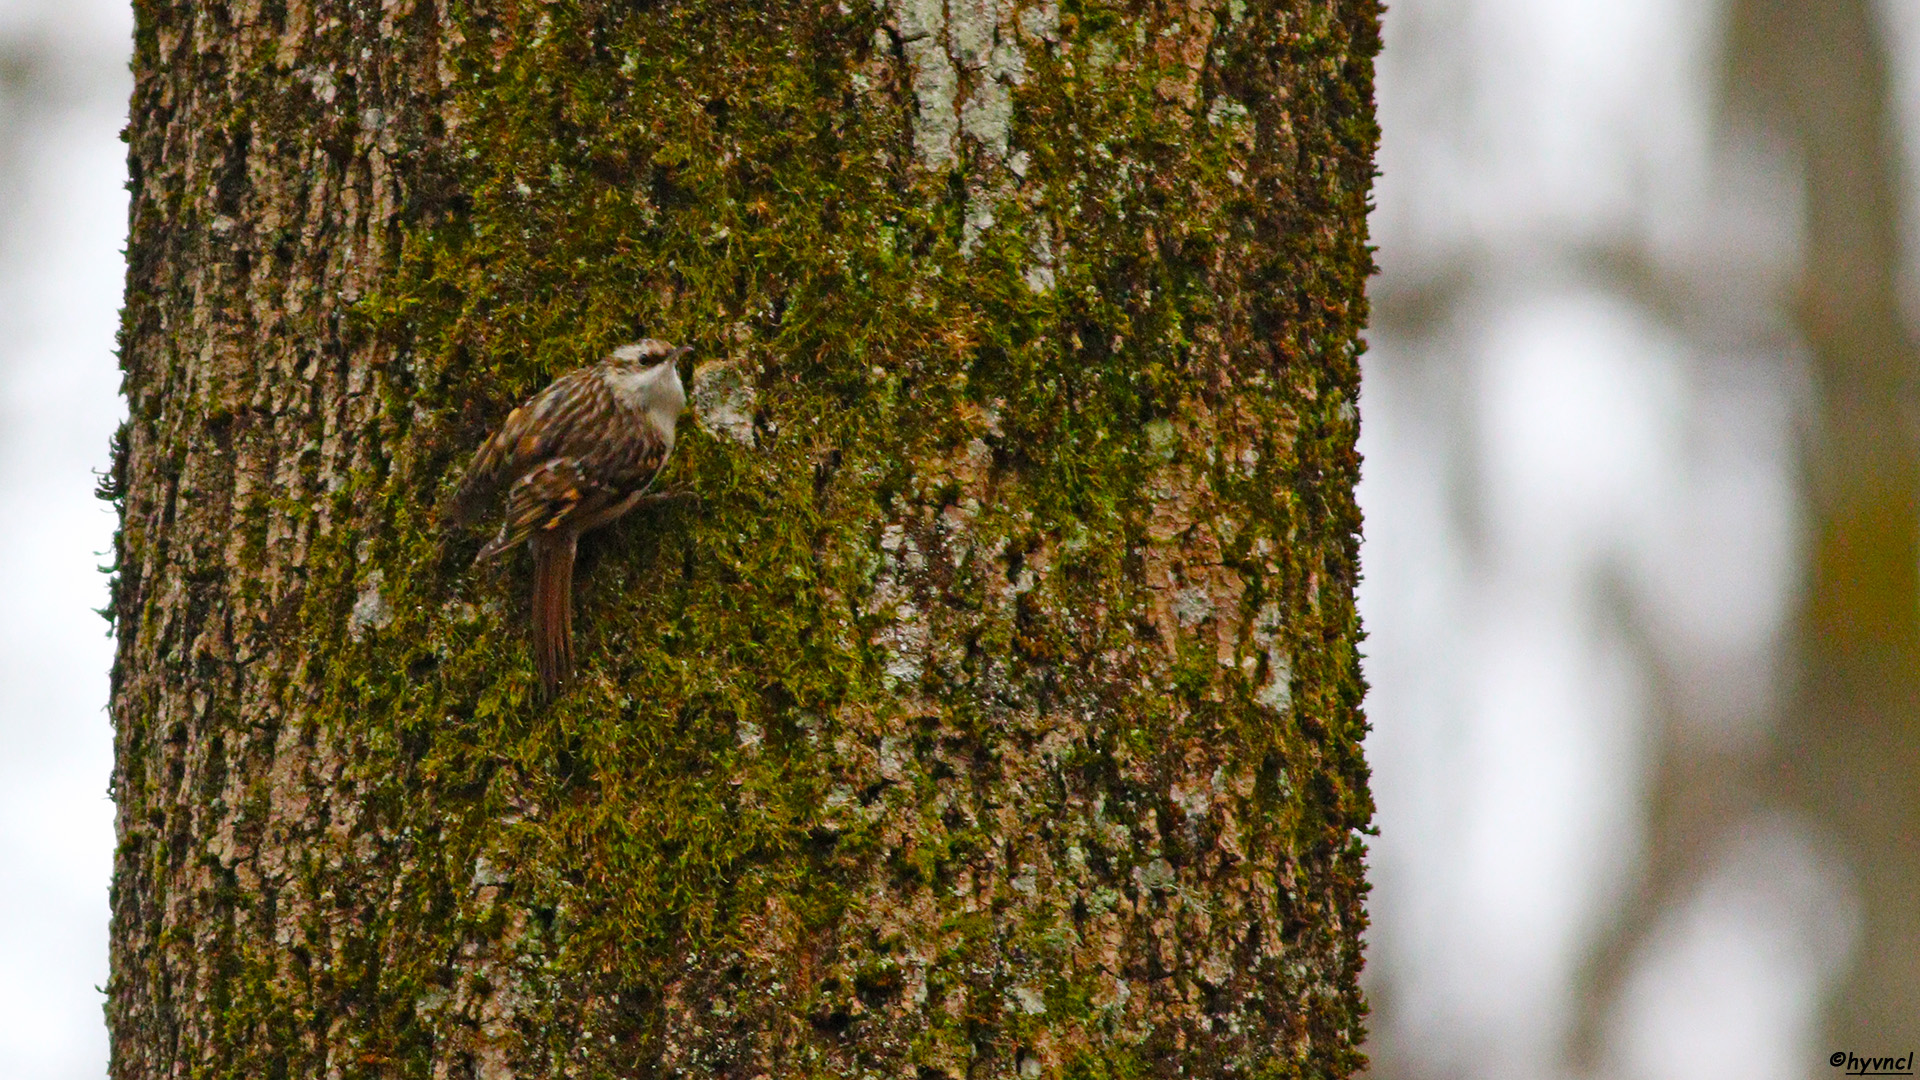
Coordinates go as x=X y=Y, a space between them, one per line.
x=572 y=458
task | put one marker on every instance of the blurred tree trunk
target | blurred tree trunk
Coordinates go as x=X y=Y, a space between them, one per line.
x=1816 y=72
x=995 y=709
x=1846 y=754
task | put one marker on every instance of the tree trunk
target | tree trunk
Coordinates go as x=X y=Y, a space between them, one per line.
x=1848 y=752
x=1845 y=757
x=990 y=707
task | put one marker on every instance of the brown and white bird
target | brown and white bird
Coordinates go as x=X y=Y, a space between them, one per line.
x=577 y=455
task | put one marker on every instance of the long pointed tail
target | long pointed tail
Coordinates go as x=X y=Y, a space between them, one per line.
x=553 y=610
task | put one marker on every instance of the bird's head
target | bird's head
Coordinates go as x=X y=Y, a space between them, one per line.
x=648 y=353
x=652 y=377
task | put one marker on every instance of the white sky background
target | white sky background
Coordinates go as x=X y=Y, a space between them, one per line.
x=62 y=224
x=1561 y=484
x=1546 y=454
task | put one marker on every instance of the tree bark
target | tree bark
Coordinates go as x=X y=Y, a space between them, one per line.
x=991 y=705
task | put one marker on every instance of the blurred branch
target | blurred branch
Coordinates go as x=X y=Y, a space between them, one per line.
x=1847 y=755
x=1849 y=752
x=1698 y=792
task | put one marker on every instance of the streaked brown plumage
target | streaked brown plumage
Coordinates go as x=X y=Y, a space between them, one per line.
x=577 y=455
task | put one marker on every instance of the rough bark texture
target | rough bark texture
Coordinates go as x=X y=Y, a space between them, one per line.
x=995 y=709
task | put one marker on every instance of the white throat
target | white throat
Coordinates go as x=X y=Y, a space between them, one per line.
x=655 y=392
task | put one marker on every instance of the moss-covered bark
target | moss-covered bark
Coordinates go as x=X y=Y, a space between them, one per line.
x=993 y=711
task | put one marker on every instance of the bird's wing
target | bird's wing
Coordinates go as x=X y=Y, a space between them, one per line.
x=580 y=491
x=542 y=500
x=544 y=427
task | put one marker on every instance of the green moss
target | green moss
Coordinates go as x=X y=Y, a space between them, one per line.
x=739 y=177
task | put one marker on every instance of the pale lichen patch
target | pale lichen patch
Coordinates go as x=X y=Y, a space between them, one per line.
x=370 y=608
x=906 y=639
x=921 y=26
x=724 y=401
x=1193 y=605
x=1039 y=275
x=1030 y=1001
x=1276 y=691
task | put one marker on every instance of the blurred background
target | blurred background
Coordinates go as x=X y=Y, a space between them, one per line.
x=1643 y=551
x=1641 y=539
x=63 y=99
